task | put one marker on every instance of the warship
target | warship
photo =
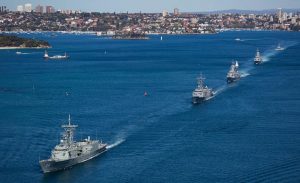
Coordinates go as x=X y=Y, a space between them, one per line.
x=233 y=74
x=201 y=93
x=69 y=152
x=57 y=57
x=258 y=58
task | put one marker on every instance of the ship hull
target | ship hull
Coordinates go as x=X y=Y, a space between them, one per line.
x=257 y=62
x=231 y=80
x=198 y=100
x=52 y=166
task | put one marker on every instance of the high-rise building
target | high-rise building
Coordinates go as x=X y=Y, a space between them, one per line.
x=20 y=8
x=165 y=13
x=39 y=9
x=284 y=16
x=294 y=20
x=28 y=7
x=50 y=9
x=279 y=15
x=176 y=11
x=3 y=9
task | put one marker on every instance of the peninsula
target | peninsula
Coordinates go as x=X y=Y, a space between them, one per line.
x=14 y=42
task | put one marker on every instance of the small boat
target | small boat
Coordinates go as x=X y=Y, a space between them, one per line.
x=56 y=57
x=279 y=48
x=145 y=94
x=161 y=38
x=18 y=53
x=237 y=39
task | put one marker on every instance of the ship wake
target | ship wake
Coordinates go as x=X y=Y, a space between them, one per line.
x=119 y=139
x=268 y=54
x=219 y=90
x=115 y=144
x=244 y=74
x=24 y=53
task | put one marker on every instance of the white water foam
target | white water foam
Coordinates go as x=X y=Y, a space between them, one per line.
x=219 y=90
x=116 y=143
x=23 y=53
x=244 y=74
x=119 y=139
x=272 y=52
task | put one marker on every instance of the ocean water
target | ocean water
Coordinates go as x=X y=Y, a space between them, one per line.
x=249 y=132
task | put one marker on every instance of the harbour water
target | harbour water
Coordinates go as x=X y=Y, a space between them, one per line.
x=249 y=131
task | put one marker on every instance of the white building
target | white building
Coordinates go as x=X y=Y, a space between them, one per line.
x=20 y=8
x=294 y=20
x=28 y=7
x=279 y=15
x=165 y=13
x=285 y=16
x=176 y=11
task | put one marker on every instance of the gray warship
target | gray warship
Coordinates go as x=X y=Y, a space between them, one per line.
x=201 y=93
x=233 y=74
x=258 y=58
x=70 y=152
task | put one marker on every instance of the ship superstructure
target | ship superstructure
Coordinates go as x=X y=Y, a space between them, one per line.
x=258 y=58
x=233 y=74
x=202 y=92
x=70 y=152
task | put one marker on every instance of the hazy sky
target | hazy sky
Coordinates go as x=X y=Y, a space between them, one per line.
x=156 y=5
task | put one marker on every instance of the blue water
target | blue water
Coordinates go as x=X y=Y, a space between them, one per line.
x=249 y=132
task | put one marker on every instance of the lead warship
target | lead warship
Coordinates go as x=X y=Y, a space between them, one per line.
x=233 y=74
x=70 y=152
x=201 y=93
x=258 y=58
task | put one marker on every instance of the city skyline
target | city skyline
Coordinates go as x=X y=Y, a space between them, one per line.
x=157 y=5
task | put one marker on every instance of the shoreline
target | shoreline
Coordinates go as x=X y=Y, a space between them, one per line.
x=19 y=48
x=149 y=33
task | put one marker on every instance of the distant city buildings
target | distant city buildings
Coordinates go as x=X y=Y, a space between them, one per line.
x=3 y=9
x=176 y=12
x=28 y=7
x=165 y=13
x=47 y=19
x=43 y=9
x=279 y=15
x=39 y=9
x=50 y=9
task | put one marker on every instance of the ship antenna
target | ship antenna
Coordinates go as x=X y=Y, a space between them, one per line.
x=96 y=134
x=69 y=119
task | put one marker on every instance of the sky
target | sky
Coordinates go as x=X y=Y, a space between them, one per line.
x=153 y=6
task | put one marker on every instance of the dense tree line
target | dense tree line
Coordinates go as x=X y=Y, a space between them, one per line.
x=14 y=41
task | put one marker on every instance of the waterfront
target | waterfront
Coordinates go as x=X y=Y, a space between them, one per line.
x=248 y=132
